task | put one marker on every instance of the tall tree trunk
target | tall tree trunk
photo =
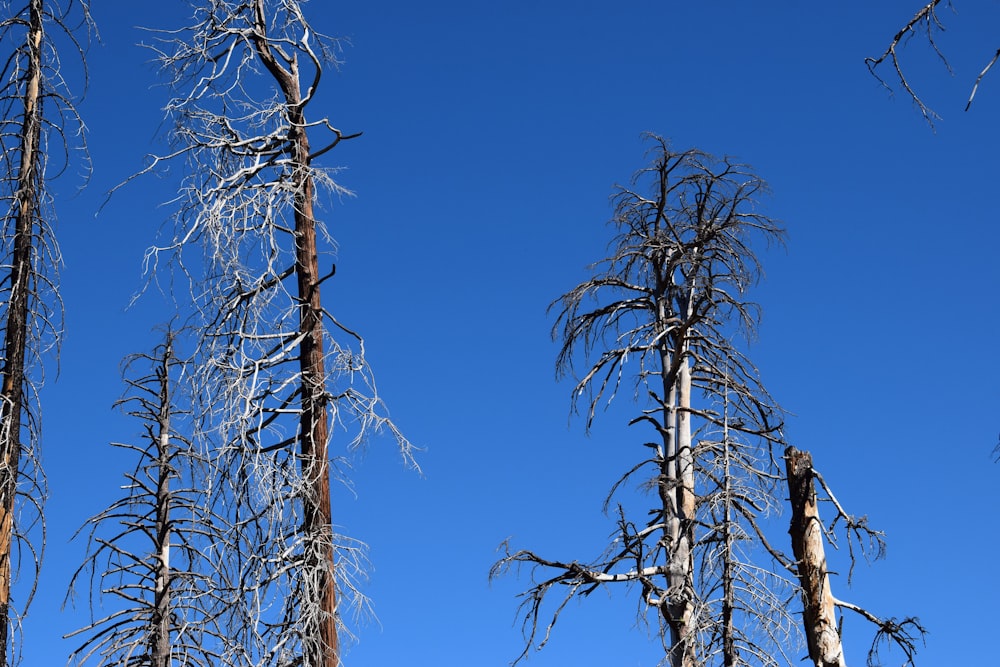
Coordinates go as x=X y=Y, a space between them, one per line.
x=676 y=487
x=320 y=643
x=15 y=345
x=818 y=610
x=667 y=488
x=729 y=651
x=322 y=650
x=159 y=636
x=682 y=560
x=684 y=556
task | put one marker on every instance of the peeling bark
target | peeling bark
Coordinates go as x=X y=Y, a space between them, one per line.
x=818 y=606
x=680 y=607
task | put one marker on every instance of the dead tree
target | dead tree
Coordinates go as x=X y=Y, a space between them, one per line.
x=807 y=531
x=661 y=313
x=819 y=606
x=927 y=23
x=36 y=119
x=152 y=590
x=749 y=623
x=276 y=370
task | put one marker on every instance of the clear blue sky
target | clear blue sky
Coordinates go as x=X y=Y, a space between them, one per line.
x=493 y=134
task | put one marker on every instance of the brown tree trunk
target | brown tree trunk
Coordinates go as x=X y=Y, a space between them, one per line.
x=16 y=331
x=319 y=608
x=322 y=651
x=818 y=610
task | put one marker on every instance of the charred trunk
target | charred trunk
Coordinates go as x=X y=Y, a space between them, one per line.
x=16 y=329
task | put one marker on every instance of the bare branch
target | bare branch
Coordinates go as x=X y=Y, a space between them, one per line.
x=979 y=78
x=925 y=19
x=871 y=542
x=904 y=634
x=927 y=23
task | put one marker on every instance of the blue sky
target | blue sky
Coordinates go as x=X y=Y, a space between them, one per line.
x=493 y=135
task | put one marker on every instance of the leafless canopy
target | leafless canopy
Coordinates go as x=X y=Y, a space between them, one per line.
x=927 y=23
x=683 y=259
x=276 y=371
x=39 y=132
x=661 y=315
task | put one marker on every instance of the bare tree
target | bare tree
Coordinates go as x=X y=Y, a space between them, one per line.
x=927 y=23
x=661 y=313
x=749 y=621
x=275 y=369
x=819 y=606
x=145 y=550
x=37 y=119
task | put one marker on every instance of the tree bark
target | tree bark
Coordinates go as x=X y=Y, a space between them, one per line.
x=16 y=331
x=323 y=650
x=818 y=609
x=320 y=640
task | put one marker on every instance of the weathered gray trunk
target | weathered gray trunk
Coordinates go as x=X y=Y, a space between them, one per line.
x=159 y=636
x=676 y=489
x=818 y=608
x=683 y=607
x=729 y=653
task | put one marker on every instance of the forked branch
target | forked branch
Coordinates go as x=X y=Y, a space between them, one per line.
x=926 y=23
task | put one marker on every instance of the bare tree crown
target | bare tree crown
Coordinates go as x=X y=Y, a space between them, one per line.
x=661 y=315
